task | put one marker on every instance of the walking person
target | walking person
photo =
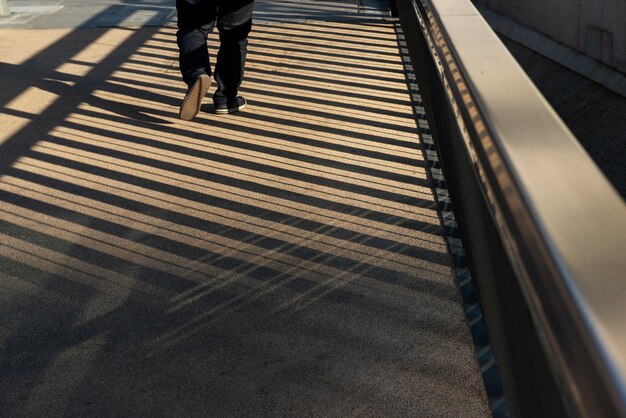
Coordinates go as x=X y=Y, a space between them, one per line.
x=196 y=20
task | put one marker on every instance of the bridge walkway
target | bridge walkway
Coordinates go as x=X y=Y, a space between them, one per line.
x=285 y=260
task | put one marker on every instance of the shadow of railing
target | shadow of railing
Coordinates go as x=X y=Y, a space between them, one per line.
x=201 y=254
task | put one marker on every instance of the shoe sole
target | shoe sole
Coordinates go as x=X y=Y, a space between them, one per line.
x=193 y=100
x=231 y=110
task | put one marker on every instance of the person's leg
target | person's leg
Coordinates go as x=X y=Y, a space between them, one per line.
x=234 y=23
x=196 y=19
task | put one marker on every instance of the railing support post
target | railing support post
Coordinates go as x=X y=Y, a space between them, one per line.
x=4 y=9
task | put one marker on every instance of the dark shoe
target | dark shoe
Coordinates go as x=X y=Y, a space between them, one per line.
x=230 y=106
x=193 y=99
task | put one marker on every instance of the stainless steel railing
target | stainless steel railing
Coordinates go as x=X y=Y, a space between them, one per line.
x=543 y=228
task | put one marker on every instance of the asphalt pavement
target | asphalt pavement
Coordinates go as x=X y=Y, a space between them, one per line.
x=288 y=260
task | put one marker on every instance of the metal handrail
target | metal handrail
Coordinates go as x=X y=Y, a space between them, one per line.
x=559 y=225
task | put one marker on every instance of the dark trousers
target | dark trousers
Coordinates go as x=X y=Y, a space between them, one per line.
x=198 y=18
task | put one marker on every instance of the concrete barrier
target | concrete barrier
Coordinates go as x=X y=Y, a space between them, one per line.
x=597 y=28
x=4 y=8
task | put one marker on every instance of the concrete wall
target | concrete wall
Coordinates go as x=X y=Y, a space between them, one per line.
x=596 y=28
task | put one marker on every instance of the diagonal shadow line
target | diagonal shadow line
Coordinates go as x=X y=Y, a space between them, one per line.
x=146 y=274
x=398 y=197
x=65 y=48
x=203 y=320
x=270 y=151
x=290 y=166
x=161 y=242
x=319 y=89
x=264 y=59
x=354 y=39
x=70 y=45
x=328 y=115
x=354 y=63
x=171 y=52
x=56 y=86
x=322 y=79
x=287 y=135
x=258 y=58
x=300 y=42
x=171 y=87
x=328 y=56
x=38 y=74
x=272 y=215
x=142 y=86
x=284 y=269
x=55 y=283
x=127 y=110
x=156 y=241
x=303 y=10
x=296 y=137
x=261 y=241
x=147 y=116
x=20 y=142
x=324 y=83
x=347 y=71
x=367 y=27
x=317 y=12
x=350 y=43
x=376 y=216
x=341 y=17
x=118 y=319
x=312 y=129
x=101 y=259
x=369 y=23
x=138 y=88
x=215 y=185
x=56 y=219
x=316 y=28
x=260 y=167
x=293 y=247
x=135 y=116
x=292 y=137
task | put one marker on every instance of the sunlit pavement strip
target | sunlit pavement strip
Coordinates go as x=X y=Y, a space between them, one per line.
x=286 y=260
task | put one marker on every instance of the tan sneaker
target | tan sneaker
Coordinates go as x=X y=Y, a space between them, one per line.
x=193 y=99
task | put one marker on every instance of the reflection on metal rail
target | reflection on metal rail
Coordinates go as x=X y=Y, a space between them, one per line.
x=543 y=228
